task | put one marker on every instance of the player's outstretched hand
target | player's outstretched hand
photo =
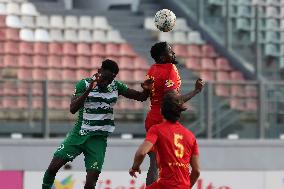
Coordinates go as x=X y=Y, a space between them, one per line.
x=133 y=172
x=199 y=85
x=147 y=84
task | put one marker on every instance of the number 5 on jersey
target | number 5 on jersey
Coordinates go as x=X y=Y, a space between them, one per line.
x=179 y=152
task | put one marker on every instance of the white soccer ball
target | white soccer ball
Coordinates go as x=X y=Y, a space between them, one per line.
x=165 y=20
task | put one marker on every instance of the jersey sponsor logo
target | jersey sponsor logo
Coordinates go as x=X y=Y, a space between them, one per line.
x=169 y=83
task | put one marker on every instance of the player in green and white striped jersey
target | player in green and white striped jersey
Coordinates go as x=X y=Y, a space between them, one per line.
x=94 y=98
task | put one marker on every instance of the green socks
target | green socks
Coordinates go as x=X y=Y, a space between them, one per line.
x=47 y=181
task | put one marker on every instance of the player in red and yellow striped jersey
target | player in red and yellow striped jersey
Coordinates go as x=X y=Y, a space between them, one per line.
x=166 y=80
x=176 y=146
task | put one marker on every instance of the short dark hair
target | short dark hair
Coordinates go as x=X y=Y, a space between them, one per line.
x=172 y=106
x=158 y=50
x=110 y=65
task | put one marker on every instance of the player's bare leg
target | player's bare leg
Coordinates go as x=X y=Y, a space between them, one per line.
x=49 y=176
x=91 y=179
x=152 y=174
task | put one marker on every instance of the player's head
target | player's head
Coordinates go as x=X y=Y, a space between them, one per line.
x=162 y=53
x=172 y=106
x=108 y=72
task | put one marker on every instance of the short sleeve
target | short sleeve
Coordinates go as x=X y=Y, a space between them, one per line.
x=80 y=88
x=173 y=80
x=195 y=150
x=121 y=87
x=152 y=135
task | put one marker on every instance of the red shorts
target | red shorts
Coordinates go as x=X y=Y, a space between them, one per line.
x=154 y=185
x=159 y=185
x=154 y=117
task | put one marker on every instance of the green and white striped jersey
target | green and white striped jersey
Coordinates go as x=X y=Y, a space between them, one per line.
x=96 y=117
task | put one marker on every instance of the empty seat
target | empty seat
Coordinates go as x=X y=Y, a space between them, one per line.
x=98 y=49
x=27 y=35
x=54 y=103
x=113 y=36
x=69 y=48
x=68 y=75
x=37 y=88
x=69 y=62
x=24 y=88
x=238 y=90
x=3 y=8
x=139 y=75
x=194 y=51
x=71 y=22
x=10 y=88
x=11 y=47
x=39 y=74
x=42 y=35
x=237 y=104
x=10 y=102
x=54 y=61
x=126 y=75
x=96 y=62
x=85 y=36
x=222 y=90
x=180 y=37
x=12 y=34
x=166 y=36
x=55 y=48
x=195 y=38
x=56 y=35
x=28 y=21
x=56 y=21
x=180 y=50
x=223 y=76
x=207 y=75
x=149 y=24
x=101 y=23
x=193 y=63
x=181 y=25
x=28 y=9
x=55 y=88
x=251 y=105
x=25 y=61
x=251 y=91
x=26 y=48
x=10 y=61
x=82 y=73
x=24 y=74
x=126 y=50
x=83 y=62
x=13 y=21
x=272 y=24
x=243 y=24
x=244 y=11
x=40 y=61
x=237 y=76
x=272 y=12
x=41 y=48
x=99 y=36
x=223 y=64
x=13 y=8
x=84 y=49
x=70 y=35
x=126 y=63
x=208 y=51
x=54 y=74
x=208 y=64
x=85 y=22
x=42 y=21
x=140 y=63
x=37 y=103
x=112 y=49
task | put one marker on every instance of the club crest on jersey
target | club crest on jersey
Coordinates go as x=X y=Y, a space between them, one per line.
x=169 y=83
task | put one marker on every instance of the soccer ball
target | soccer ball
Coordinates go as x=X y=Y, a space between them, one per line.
x=165 y=20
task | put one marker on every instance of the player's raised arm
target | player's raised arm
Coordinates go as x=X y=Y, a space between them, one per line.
x=81 y=93
x=137 y=95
